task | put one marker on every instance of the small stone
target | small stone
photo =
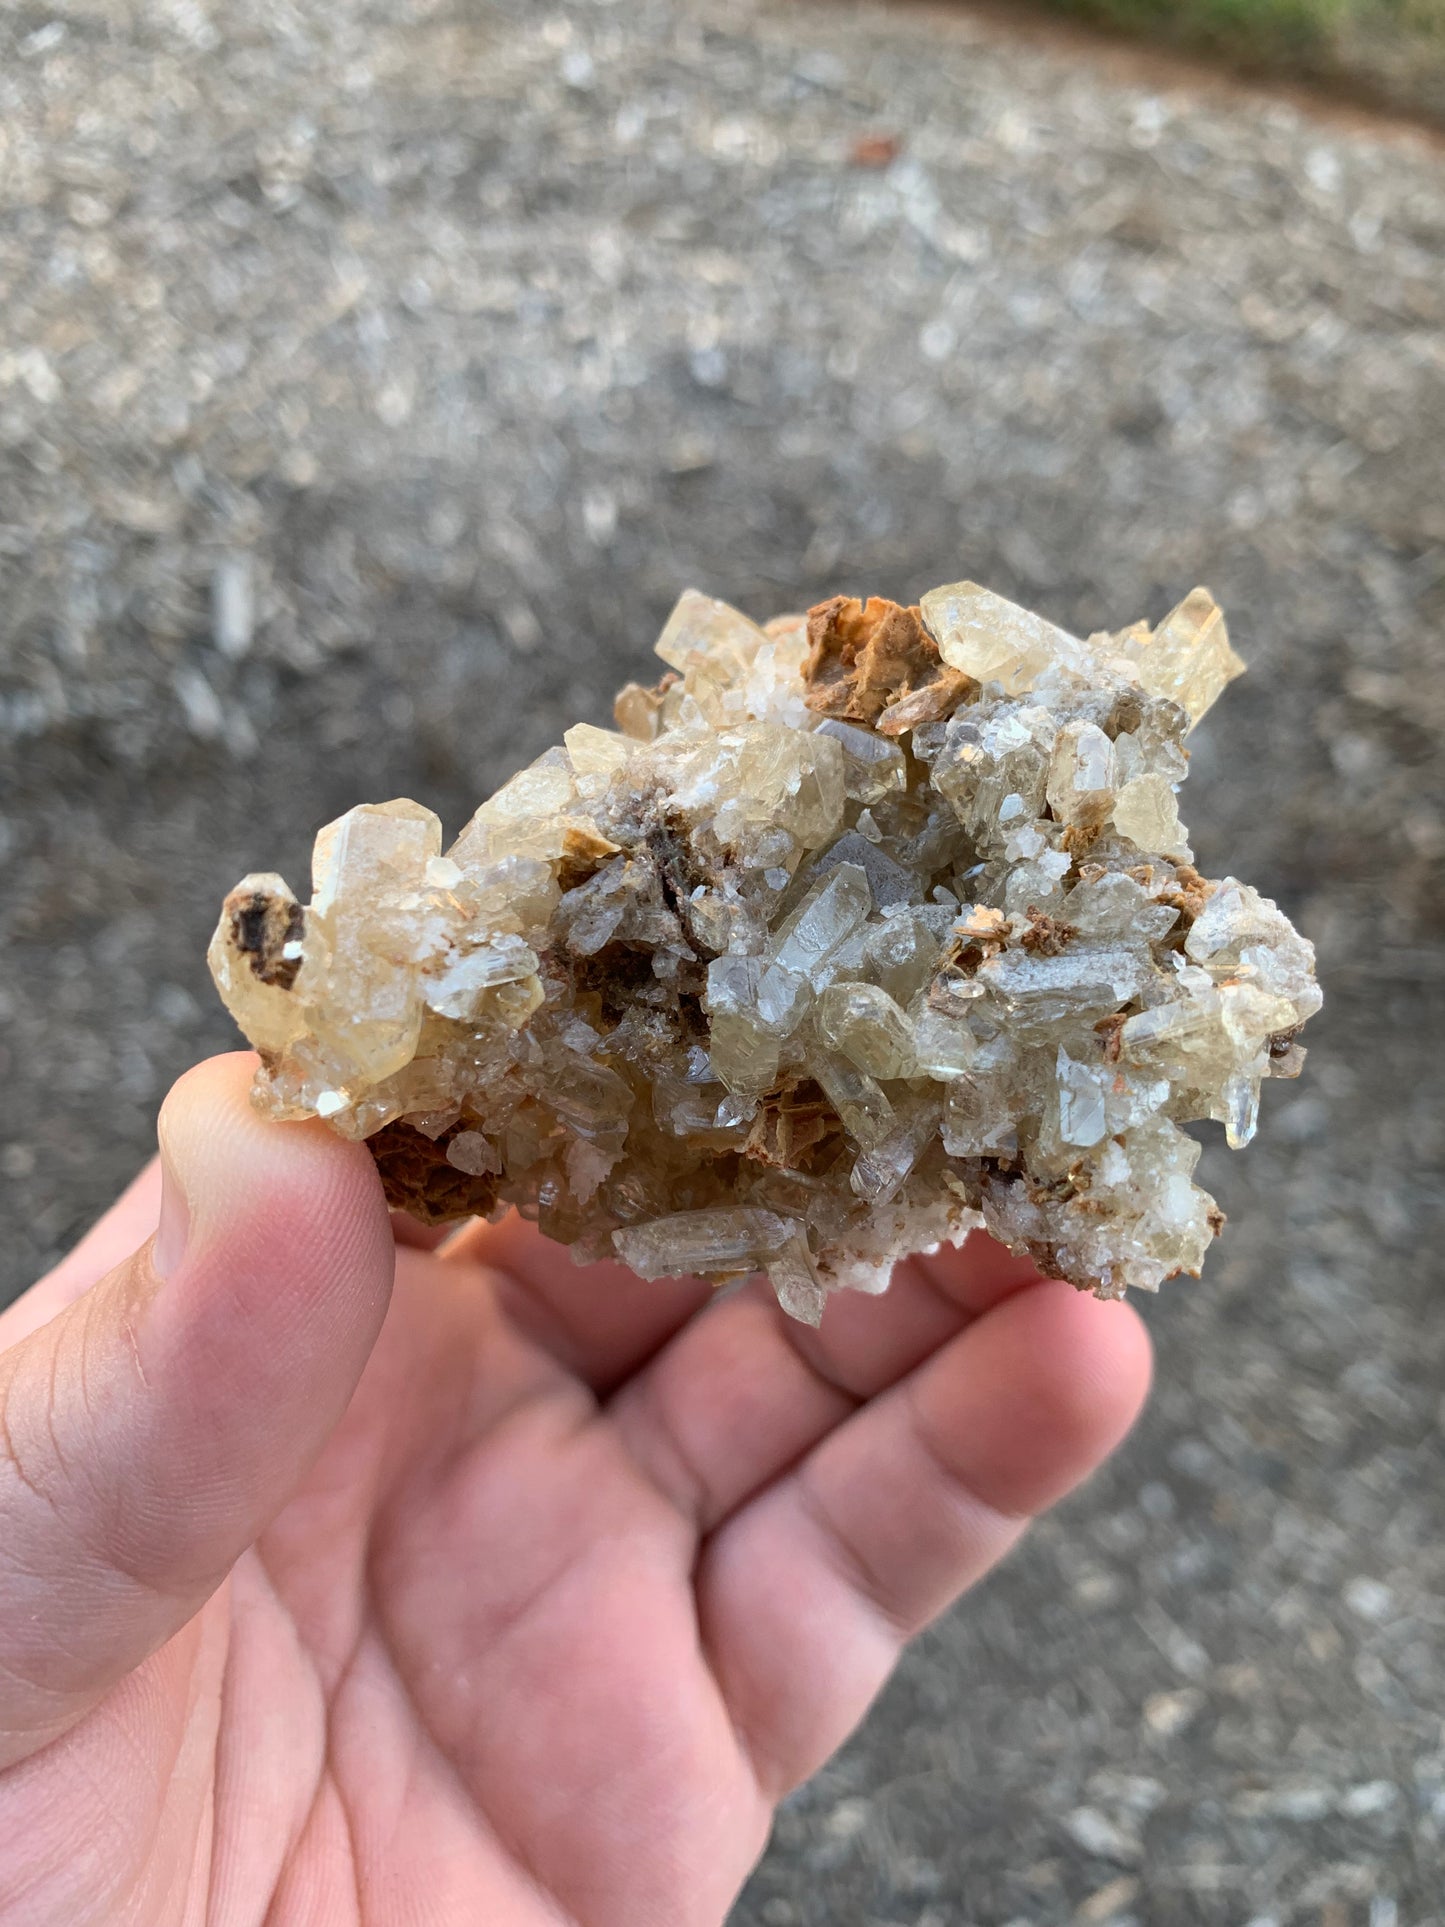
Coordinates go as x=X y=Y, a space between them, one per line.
x=1300 y=1801
x=861 y=929
x=1369 y=1800
x=1168 y=1714
x=1102 y=1838
x=233 y=605
x=848 y=1819
x=17 y=1161
x=1370 y=1599
x=1108 y=1902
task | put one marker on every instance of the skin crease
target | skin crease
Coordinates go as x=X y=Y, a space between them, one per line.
x=516 y=1593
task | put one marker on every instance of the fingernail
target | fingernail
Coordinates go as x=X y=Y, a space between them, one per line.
x=174 y=1225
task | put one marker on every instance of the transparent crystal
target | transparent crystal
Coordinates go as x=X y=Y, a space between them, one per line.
x=944 y=1047
x=863 y=1022
x=526 y=817
x=368 y=914
x=859 y=1099
x=1188 y=658
x=880 y=1173
x=822 y=923
x=996 y=641
x=703 y=1243
x=1147 y=812
x=873 y=767
x=701 y=626
x=1081 y=780
x=793 y=1274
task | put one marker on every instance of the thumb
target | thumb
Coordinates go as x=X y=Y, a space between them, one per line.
x=151 y=1430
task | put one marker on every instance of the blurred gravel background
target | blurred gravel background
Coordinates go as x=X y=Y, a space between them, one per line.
x=372 y=376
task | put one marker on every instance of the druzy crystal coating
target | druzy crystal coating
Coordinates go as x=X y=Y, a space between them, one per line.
x=862 y=928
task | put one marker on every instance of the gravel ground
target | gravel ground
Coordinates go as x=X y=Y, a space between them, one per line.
x=373 y=374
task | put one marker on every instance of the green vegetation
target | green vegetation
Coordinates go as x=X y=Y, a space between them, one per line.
x=1388 y=51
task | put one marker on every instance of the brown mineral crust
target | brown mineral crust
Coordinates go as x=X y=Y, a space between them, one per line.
x=875 y=150
x=416 y=1177
x=1110 y=1032
x=585 y=848
x=980 y=933
x=1286 y=1053
x=1078 y=837
x=583 y=855
x=637 y=709
x=864 y=656
x=791 y=1124
x=1046 y=936
x=262 y=924
x=983 y=924
x=931 y=704
x=1189 y=892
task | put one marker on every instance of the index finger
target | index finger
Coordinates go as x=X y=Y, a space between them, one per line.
x=600 y=1321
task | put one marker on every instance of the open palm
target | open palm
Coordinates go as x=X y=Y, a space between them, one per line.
x=518 y=1595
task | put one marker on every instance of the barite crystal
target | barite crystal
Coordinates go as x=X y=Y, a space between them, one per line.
x=862 y=928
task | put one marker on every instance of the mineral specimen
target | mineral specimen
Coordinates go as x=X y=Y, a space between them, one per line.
x=861 y=929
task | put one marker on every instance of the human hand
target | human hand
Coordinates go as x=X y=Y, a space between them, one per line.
x=518 y=1594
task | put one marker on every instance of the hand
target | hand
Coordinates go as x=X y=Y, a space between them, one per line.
x=518 y=1594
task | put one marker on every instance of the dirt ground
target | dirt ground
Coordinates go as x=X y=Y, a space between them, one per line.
x=372 y=376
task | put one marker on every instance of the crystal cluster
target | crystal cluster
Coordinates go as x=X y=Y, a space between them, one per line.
x=862 y=928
